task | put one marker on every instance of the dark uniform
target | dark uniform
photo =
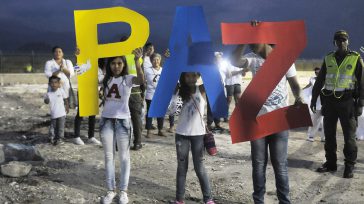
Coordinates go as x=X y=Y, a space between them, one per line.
x=342 y=97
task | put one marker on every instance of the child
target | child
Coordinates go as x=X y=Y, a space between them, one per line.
x=115 y=123
x=190 y=131
x=57 y=99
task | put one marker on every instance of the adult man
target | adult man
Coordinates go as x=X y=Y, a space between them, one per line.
x=276 y=143
x=342 y=98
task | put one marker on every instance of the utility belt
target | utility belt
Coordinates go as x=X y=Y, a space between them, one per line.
x=337 y=95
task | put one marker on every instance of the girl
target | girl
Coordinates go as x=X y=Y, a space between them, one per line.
x=115 y=122
x=152 y=75
x=190 y=131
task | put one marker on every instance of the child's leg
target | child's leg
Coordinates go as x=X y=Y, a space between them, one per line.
x=60 y=126
x=197 y=148
x=160 y=123
x=52 y=134
x=182 y=148
x=171 y=121
x=123 y=139
x=107 y=137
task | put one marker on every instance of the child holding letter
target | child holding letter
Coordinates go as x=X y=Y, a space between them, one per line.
x=115 y=123
x=190 y=133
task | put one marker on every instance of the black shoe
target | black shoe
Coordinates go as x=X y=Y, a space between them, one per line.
x=348 y=172
x=327 y=168
x=137 y=147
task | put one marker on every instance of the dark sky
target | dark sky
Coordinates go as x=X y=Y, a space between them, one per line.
x=27 y=22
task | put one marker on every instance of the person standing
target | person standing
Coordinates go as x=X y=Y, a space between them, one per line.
x=317 y=118
x=152 y=75
x=276 y=144
x=342 y=99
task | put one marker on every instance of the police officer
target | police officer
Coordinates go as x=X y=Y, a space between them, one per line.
x=340 y=86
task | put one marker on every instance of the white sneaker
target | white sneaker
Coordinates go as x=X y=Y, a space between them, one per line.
x=310 y=139
x=78 y=141
x=123 y=197
x=93 y=140
x=109 y=197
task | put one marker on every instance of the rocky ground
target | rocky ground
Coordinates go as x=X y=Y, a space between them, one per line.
x=75 y=174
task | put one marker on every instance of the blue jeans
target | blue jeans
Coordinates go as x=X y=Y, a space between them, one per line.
x=116 y=131
x=183 y=145
x=277 y=144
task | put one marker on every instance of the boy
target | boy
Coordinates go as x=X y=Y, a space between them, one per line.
x=57 y=99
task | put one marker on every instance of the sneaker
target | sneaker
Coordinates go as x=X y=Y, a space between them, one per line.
x=123 y=197
x=210 y=202
x=94 y=141
x=78 y=141
x=110 y=195
x=310 y=139
x=58 y=142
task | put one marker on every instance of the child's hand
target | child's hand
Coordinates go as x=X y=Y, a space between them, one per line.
x=77 y=51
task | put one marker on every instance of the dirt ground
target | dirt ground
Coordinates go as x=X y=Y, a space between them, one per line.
x=75 y=174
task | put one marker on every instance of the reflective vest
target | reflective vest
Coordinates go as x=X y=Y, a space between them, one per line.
x=341 y=78
x=130 y=61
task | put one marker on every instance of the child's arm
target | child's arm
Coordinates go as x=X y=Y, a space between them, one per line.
x=140 y=75
x=46 y=99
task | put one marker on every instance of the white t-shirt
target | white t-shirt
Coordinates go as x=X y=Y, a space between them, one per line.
x=56 y=103
x=117 y=97
x=232 y=79
x=51 y=66
x=190 y=122
x=152 y=77
x=279 y=97
x=307 y=94
x=146 y=62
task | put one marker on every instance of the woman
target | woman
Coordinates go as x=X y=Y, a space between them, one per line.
x=61 y=68
x=152 y=75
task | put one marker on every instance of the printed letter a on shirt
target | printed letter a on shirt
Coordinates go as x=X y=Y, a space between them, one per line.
x=194 y=56
x=114 y=90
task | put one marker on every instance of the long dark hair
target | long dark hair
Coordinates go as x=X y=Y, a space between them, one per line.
x=184 y=89
x=109 y=74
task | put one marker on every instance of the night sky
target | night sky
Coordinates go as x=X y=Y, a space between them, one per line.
x=50 y=22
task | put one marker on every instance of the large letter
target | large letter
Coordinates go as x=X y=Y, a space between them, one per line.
x=289 y=39
x=86 y=22
x=198 y=57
